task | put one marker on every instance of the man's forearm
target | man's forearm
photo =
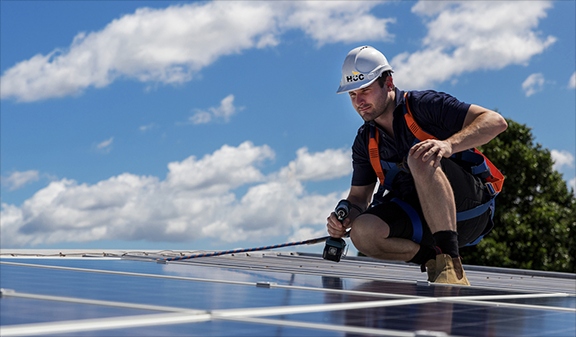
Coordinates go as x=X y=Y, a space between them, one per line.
x=484 y=127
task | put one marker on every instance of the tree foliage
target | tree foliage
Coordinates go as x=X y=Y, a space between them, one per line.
x=535 y=218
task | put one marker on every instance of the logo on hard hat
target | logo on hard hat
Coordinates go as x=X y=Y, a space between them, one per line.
x=356 y=76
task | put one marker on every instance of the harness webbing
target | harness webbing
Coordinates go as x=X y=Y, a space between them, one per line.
x=495 y=180
x=375 y=154
x=417 y=228
x=412 y=125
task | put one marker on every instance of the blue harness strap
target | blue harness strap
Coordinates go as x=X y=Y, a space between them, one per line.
x=477 y=241
x=392 y=170
x=476 y=211
x=417 y=230
x=478 y=165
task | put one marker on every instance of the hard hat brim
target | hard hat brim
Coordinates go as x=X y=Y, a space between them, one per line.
x=362 y=84
x=354 y=86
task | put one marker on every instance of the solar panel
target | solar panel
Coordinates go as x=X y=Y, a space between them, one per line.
x=271 y=294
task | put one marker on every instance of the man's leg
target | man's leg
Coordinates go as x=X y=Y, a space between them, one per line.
x=371 y=236
x=435 y=195
x=438 y=205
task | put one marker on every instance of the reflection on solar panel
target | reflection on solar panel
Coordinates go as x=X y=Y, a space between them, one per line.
x=272 y=294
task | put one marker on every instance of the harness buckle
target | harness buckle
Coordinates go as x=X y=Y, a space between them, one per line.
x=490 y=189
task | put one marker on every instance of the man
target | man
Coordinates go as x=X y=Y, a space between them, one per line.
x=416 y=214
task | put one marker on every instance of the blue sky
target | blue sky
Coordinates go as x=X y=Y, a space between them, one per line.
x=215 y=125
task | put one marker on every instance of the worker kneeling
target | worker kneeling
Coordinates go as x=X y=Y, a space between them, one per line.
x=436 y=191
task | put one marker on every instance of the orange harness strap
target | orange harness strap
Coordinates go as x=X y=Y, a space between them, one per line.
x=412 y=125
x=496 y=178
x=375 y=155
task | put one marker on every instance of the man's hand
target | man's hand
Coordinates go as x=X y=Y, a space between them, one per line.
x=431 y=150
x=359 y=196
x=337 y=229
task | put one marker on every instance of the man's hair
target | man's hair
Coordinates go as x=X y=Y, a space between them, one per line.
x=382 y=79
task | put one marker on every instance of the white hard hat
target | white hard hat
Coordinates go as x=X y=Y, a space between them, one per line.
x=362 y=66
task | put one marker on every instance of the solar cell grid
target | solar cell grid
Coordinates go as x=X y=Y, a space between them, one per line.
x=265 y=295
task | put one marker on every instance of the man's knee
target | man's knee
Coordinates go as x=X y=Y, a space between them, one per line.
x=366 y=228
x=419 y=167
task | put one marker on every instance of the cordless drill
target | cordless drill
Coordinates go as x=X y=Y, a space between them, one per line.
x=335 y=246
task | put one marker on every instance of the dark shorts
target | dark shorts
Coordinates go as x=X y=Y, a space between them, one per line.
x=469 y=192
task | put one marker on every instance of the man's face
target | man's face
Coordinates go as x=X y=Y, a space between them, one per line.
x=370 y=102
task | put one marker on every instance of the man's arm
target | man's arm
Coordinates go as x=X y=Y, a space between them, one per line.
x=481 y=125
x=359 y=196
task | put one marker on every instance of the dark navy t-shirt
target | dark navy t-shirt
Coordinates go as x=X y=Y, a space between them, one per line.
x=437 y=113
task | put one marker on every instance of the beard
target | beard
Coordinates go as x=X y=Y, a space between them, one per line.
x=376 y=109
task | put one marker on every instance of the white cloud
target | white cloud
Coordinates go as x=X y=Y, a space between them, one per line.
x=173 y=44
x=147 y=127
x=572 y=81
x=306 y=233
x=222 y=112
x=211 y=175
x=562 y=159
x=105 y=146
x=18 y=179
x=466 y=36
x=336 y=21
x=318 y=166
x=196 y=202
x=533 y=84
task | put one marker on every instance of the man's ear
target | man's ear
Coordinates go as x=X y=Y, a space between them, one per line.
x=389 y=83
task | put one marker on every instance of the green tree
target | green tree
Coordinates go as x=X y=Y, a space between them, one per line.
x=535 y=218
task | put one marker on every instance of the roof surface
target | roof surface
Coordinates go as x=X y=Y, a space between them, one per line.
x=121 y=293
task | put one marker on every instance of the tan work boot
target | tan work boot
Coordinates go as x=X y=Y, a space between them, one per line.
x=449 y=270
x=431 y=270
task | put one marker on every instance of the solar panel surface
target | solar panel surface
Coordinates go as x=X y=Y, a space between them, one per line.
x=271 y=294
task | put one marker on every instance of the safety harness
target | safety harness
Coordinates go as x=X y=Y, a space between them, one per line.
x=477 y=162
